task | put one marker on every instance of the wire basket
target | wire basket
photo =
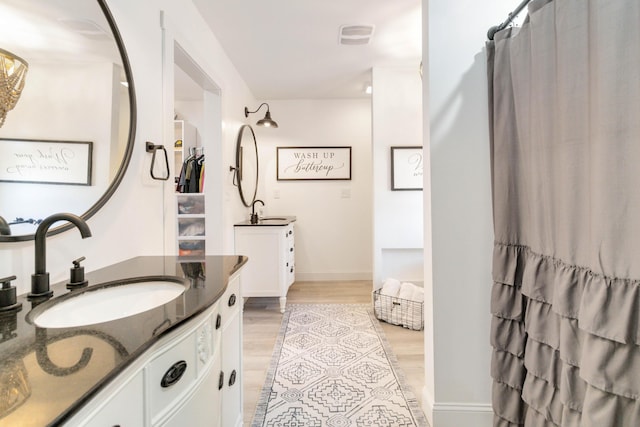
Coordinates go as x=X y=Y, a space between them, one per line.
x=398 y=311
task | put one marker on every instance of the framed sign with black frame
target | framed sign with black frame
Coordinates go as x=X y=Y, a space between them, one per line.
x=313 y=163
x=45 y=162
x=406 y=168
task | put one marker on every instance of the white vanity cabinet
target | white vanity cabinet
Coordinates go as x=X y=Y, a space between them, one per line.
x=183 y=380
x=231 y=380
x=271 y=266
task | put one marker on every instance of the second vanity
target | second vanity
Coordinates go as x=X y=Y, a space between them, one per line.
x=174 y=365
x=270 y=245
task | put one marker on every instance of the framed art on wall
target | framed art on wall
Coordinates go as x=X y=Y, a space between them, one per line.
x=313 y=163
x=406 y=168
x=45 y=162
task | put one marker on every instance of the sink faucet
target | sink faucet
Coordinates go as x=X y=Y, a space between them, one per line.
x=40 y=279
x=5 y=230
x=254 y=215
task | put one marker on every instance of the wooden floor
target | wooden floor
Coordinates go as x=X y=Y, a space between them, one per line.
x=262 y=319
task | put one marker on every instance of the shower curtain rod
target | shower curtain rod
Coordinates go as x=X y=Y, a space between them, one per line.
x=493 y=30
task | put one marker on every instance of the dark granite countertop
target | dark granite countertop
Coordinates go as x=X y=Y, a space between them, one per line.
x=268 y=221
x=46 y=375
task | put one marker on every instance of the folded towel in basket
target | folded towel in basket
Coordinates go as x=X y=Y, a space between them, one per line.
x=409 y=312
x=384 y=305
x=407 y=290
x=418 y=294
x=400 y=303
x=384 y=309
x=390 y=287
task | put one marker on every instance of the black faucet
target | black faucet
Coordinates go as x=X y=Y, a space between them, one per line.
x=40 y=279
x=5 y=230
x=254 y=215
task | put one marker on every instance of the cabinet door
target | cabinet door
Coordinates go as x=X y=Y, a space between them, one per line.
x=202 y=407
x=261 y=276
x=290 y=246
x=231 y=366
x=125 y=408
x=178 y=364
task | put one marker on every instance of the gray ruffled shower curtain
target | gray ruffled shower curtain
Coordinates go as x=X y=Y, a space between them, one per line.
x=564 y=92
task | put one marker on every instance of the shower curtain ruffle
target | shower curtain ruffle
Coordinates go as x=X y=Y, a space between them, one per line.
x=580 y=331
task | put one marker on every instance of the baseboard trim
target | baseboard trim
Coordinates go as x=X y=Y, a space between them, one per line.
x=463 y=407
x=427 y=405
x=332 y=277
x=455 y=414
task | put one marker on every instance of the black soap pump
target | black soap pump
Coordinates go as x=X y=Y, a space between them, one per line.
x=8 y=300
x=76 y=275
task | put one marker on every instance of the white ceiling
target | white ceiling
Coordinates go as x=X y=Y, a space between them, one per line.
x=57 y=31
x=288 y=49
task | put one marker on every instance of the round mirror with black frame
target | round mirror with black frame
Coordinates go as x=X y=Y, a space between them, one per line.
x=246 y=168
x=78 y=92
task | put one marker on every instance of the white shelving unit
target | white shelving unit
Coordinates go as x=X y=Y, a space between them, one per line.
x=185 y=132
x=191 y=224
x=191 y=229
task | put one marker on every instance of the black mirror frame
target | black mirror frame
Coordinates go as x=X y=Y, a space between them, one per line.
x=238 y=168
x=130 y=138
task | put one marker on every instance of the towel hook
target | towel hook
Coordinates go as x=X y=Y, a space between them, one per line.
x=153 y=148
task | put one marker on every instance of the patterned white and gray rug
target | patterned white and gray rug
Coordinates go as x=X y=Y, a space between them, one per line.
x=332 y=366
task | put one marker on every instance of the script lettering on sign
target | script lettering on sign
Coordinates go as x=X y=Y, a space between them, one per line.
x=313 y=163
x=50 y=162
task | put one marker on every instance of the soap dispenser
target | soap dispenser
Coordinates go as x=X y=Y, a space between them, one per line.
x=8 y=300
x=76 y=275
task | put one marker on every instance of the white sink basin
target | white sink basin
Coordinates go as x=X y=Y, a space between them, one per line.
x=272 y=219
x=108 y=303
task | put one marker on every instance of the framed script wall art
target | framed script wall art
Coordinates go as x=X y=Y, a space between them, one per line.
x=313 y=163
x=406 y=168
x=45 y=162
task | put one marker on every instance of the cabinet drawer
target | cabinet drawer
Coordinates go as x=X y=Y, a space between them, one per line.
x=289 y=232
x=230 y=301
x=291 y=256
x=291 y=252
x=163 y=393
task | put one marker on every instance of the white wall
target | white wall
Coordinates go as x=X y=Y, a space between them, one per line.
x=457 y=351
x=398 y=215
x=334 y=218
x=61 y=117
x=132 y=222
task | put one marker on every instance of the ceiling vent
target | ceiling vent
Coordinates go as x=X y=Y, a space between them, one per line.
x=356 y=34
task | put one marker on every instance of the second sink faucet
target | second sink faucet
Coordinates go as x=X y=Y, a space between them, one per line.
x=5 y=229
x=254 y=215
x=40 y=279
